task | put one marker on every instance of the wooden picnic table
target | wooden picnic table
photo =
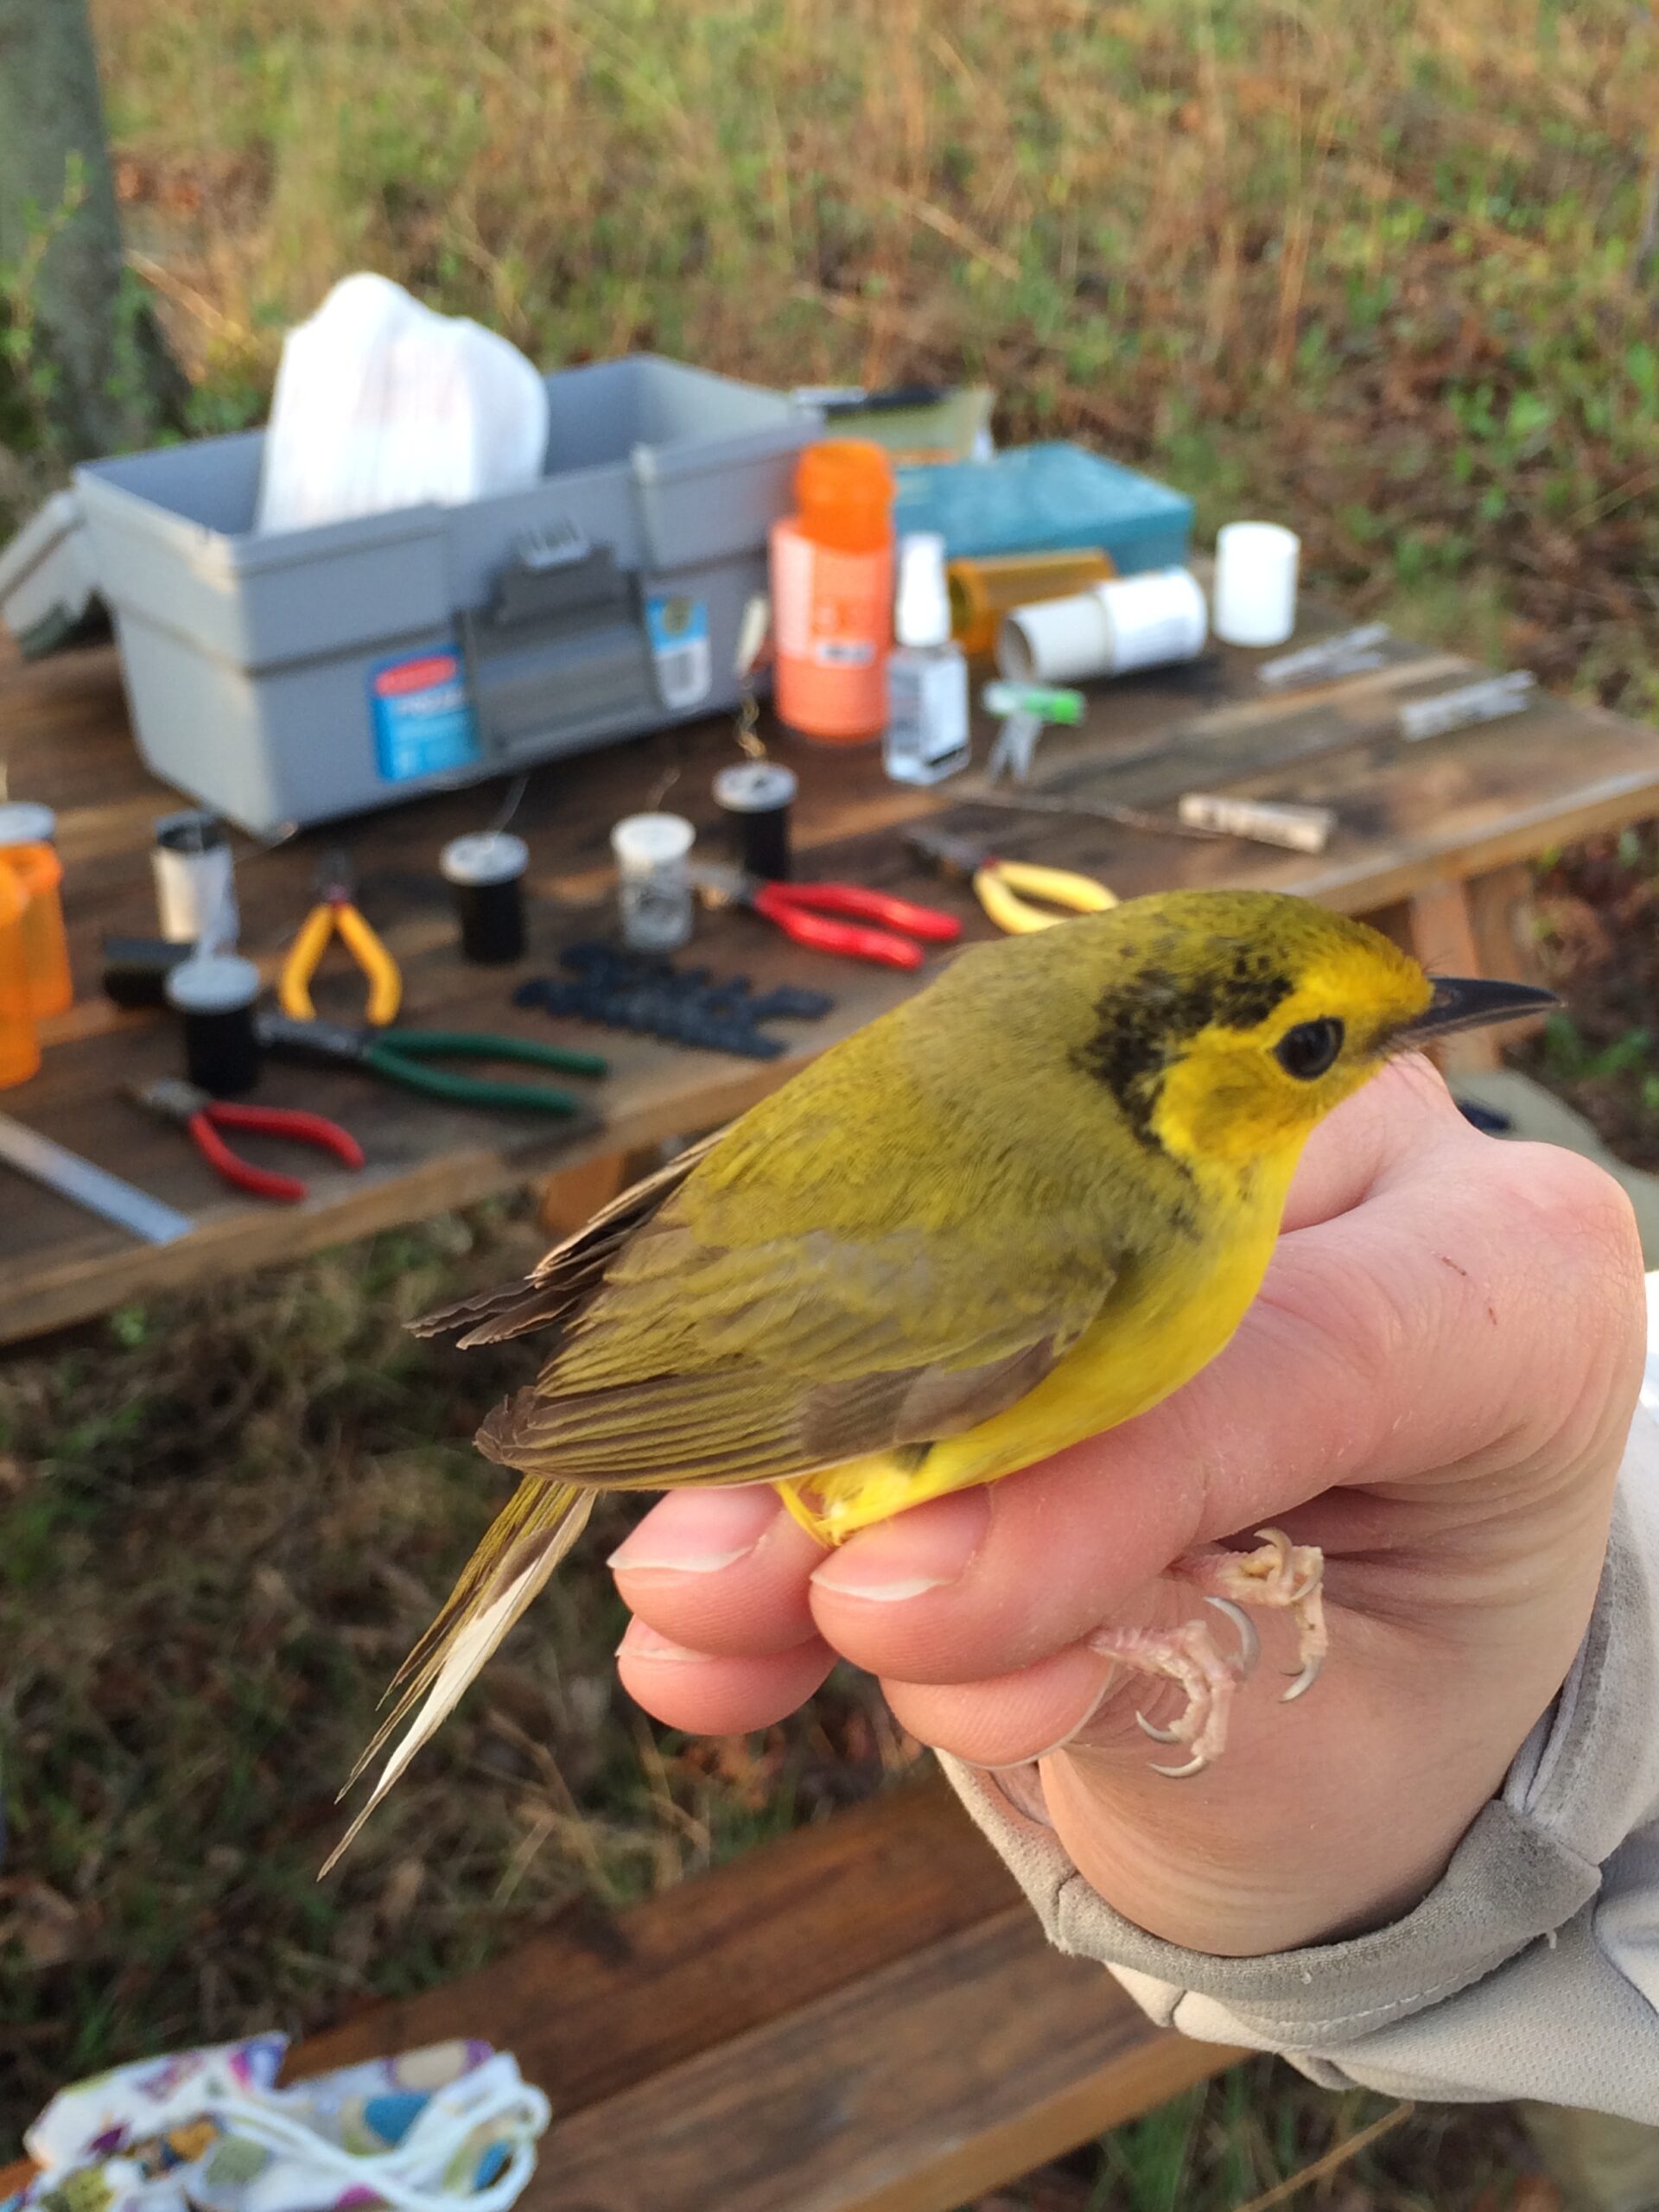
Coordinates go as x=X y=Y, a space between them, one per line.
x=1431 y=841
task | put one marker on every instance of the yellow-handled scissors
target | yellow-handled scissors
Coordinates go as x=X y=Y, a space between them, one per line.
x=332 y=912
x=1004 y=888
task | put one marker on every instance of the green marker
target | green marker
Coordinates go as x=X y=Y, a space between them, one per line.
x=1048 y=703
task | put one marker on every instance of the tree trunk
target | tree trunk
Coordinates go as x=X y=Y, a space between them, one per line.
x=84 y=348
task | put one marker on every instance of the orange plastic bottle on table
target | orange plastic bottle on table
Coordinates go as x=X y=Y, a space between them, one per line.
x=985 y=588
x=832 y=594
x=20 y=1051
x=27 y=850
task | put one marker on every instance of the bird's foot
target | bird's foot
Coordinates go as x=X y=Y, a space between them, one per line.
x=1191 y=1657
x=1280 y=1576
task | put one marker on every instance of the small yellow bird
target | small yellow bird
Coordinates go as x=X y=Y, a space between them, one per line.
x=1024 y=1206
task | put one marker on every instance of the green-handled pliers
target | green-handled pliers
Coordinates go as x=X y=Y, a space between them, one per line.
x=400 y=1055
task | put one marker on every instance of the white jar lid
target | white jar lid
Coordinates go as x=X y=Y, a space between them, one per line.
x=212 y=983
x=651 y=839
x=487 y=856
x=24 y=822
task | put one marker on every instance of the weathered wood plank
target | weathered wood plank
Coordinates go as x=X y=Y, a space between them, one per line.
x=949 y=2071
x=1443 y=938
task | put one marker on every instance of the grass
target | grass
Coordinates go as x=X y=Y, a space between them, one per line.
x=222 y=1523
x=1388 y=272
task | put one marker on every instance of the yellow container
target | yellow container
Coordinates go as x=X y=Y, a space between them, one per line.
x=20 y=1050
x=983 y=590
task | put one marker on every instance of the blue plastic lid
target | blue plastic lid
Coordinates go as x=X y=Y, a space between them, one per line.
x=1053 y=498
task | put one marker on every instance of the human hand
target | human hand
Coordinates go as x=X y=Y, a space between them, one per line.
x=1433 y=1386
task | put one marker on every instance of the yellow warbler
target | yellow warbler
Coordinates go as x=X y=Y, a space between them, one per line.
x=1024 y=1205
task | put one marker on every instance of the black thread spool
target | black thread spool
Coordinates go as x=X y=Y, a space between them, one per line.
x=214 y=992
x=755 y=797
x=486 y=872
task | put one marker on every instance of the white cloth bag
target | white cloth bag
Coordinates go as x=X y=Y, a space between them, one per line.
x=381 y=403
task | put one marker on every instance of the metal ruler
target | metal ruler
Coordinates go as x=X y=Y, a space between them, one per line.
x=101 y=1193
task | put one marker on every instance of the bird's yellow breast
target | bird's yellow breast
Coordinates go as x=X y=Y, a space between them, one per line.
x=1168 y=1314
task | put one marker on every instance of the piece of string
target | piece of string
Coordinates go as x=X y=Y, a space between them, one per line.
x=510 y=805
x=452 y=2116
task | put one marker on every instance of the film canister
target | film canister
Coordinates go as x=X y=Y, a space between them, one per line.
x=755 y=797
x=487 y=874
x=195 y=884
x=214 y=992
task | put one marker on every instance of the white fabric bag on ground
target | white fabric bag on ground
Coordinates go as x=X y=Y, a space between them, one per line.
x=381 y=403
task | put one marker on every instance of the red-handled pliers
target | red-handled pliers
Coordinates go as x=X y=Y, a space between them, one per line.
x=834 y=917
x=203 y=1118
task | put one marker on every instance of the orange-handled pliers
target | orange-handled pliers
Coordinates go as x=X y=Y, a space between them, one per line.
x=335 y=911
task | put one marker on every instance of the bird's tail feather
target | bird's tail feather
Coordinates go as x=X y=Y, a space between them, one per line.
x=521 y=1548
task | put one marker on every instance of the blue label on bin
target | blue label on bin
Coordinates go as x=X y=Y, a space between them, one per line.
x=424 y=722
x=678 y=629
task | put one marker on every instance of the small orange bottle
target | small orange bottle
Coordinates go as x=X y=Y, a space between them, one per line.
x=983 y=590
x=27 y=849
x=832 y=594
x=20 y=1051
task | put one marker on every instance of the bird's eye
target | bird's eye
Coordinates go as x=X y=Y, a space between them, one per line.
x=1309 y=1049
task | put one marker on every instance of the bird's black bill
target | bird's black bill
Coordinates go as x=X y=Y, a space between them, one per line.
x=1468 y=1003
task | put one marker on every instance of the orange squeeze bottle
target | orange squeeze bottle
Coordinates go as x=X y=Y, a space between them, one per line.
x=832 y=594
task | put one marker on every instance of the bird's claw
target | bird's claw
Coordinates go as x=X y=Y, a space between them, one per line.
x=1249 y=1643
x=1282 y=1575
x=1190 y=1657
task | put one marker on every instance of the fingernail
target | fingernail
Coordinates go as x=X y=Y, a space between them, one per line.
x=927 y=1549
x=641 y=1640
x=697 y=1532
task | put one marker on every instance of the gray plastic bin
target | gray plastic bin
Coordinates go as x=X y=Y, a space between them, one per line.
x=318 y=672
x=48 y=593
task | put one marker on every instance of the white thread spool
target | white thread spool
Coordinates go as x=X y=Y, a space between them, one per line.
x=653 y=883
x=1145 y=621
x=1256 y=582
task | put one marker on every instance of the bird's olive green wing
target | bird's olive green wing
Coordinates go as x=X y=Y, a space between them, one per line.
x=554 y=1290
x=701 y=1360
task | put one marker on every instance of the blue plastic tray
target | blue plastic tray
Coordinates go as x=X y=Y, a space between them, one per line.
x=1046 y=498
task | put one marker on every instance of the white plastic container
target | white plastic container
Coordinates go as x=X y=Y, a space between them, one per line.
x=926 y=737
x=1144 y=621
x=1256 y=582
x=653 y=882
